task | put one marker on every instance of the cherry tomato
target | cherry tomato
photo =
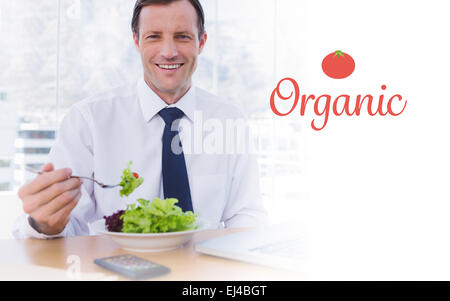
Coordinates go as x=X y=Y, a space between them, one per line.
x=338 y=65
x=135 y=175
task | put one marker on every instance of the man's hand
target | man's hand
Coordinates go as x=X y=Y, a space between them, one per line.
x=50 y=198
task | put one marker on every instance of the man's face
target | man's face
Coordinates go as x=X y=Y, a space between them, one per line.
x=169 y=46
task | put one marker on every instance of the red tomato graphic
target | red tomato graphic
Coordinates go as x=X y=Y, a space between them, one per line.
x=338 y=65
x=135 y=175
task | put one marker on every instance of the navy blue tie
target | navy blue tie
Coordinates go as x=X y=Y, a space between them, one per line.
x=175 y=178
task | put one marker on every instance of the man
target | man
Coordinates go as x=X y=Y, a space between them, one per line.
x=101 y=134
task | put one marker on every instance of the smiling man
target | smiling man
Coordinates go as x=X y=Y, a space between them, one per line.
x=101 y=134
x=169 y=38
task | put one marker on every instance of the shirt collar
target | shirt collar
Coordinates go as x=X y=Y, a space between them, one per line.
x=151 y=103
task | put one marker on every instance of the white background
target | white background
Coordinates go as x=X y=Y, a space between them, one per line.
x=378 y=188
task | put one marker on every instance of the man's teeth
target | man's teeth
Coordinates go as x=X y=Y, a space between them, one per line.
x=170 y=66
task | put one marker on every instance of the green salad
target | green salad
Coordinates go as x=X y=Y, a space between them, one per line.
x=159 y=216
x=130 y=181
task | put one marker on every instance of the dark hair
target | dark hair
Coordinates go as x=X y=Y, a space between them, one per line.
x=142 y=3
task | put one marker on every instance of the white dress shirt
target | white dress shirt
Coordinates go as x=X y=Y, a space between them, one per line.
x=99 y=135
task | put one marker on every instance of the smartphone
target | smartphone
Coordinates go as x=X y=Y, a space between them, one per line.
x=132 y=267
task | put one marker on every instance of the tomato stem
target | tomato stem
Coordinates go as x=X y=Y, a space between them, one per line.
x=338 y=53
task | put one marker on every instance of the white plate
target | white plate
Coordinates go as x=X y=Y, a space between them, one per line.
x=148 y=242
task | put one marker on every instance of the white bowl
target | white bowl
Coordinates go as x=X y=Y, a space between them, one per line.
x=148 y=242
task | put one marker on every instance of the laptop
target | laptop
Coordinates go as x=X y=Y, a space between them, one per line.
x=278 y=246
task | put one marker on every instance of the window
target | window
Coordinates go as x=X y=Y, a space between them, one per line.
x=33 y=150
x=37 y=166
x=4 y=163
x=4 y=186
x=37 y=134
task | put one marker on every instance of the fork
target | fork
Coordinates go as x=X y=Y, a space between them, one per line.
x=79 y=177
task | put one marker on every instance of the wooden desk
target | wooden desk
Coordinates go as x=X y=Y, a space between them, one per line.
x=22 y=259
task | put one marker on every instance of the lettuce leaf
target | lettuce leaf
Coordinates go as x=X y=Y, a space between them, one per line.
x=129 y=183
x=159 y=216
